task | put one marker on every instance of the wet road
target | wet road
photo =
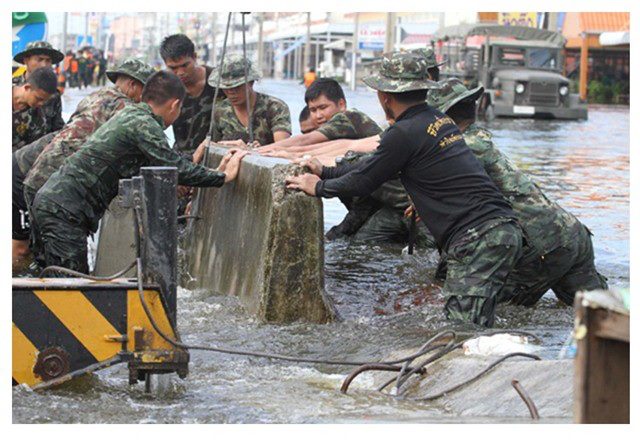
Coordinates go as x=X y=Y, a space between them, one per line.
x=386 y=301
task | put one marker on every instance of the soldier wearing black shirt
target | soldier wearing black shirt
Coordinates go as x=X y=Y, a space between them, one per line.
x=472 y=223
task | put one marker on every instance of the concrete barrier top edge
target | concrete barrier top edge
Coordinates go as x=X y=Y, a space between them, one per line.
x=254 y=158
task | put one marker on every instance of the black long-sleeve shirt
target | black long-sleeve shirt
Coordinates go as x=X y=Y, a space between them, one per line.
x=448 y=186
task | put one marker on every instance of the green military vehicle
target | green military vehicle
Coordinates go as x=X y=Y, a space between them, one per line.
x=520 y=68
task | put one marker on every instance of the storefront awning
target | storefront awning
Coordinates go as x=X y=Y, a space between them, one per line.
x=615 y=38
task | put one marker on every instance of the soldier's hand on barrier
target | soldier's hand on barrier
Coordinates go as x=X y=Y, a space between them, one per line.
x=306 y=182
x=224 y=161
x=233 y=165
x=184 y=191
x=253 y=145
x=266 y=149
x=281 y=154
x=235 y=143
x=312 y=164
x=199 y=153
x=409 y=211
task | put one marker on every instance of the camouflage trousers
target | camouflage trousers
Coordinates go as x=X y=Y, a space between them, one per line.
x=60 y=237
x=565 y=270
x=390 y=225
x=478 y=264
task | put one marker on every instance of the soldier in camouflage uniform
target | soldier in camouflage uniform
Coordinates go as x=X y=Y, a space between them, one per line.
x=27 y=99
x=470 y=220
x=69 y=206
x=328 y=111
x=37 y=122
x=34 y=163
x=93 y=111
x=269 y=116
x=559 y=255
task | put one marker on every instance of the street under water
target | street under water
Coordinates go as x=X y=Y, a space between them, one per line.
x=386 y=302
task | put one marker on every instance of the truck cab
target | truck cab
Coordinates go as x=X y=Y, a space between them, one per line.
x=520 y=69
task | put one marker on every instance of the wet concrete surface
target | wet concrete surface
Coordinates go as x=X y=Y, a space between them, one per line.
x=386 y=301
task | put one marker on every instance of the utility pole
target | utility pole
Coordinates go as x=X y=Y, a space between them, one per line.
x=354 y=51
x=86 y=28
x=390 y=32
x=233 y=31
x=214 y=36
x=260 y=18
x=65 y=23
x=552 y=21
x=307 y=45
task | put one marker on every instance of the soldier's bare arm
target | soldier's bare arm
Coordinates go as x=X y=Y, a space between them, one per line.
x=314 y=137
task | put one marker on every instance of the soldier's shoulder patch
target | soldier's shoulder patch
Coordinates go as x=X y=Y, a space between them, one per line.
x=483 y=133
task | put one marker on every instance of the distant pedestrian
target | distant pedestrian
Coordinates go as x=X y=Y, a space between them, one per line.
x=102 y=69
x=309 y=77
x=82 y=70
x=74 y=67
x=91 y=68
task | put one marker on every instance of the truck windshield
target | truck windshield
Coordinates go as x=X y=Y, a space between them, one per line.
x=511 y=56
x=542 y=58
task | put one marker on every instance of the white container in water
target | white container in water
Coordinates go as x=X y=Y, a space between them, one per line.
x=499 y=344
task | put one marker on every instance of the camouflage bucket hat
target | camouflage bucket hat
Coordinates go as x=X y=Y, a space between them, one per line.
x=233 y=73
x=428 y=55
x=401 y=72
x=132 y=67
x=452 y=92
x=39 y=47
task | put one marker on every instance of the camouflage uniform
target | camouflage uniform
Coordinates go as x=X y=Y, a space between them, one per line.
x=350 y=124
x=471 y=221
x=33 y=123
x=192 y=126
x=21 y=161
x=92 y=112
x=69 y=206
x=269 y=114
x=559 y=253
x=380 y=217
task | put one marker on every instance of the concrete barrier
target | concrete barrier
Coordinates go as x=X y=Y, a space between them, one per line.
x=116 y=241
x=260 y=242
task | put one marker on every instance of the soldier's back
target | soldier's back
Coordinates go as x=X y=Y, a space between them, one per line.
x=546 y=223
x=92 y=112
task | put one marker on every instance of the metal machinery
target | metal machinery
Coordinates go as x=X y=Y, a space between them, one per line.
x=66 y=327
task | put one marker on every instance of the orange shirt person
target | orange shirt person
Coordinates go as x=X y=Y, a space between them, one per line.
x=309 y=77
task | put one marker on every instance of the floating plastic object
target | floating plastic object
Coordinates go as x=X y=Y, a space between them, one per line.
x=499 y=344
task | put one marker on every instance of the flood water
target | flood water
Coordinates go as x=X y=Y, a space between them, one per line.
x=386 y=302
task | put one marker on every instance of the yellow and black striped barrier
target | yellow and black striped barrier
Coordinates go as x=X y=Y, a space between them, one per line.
x=63 y=328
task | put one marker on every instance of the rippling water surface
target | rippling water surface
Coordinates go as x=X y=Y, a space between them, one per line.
x=386 y=301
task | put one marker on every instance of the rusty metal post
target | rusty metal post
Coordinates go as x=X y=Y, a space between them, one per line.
x=154 y=195
x=584 y=66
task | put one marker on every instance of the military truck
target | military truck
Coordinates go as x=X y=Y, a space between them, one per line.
x=519 y=67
